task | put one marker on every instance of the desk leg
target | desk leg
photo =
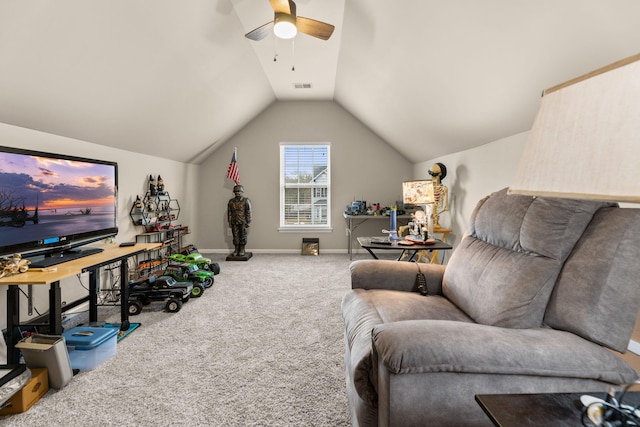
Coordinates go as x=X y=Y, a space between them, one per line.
x=13 y=319
x=349 y=238
x=124 y=296
x=94 y=287
x=371 y=252
x=413 y=255
x=55 y=309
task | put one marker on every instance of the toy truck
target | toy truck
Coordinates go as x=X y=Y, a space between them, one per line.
x=163 y=288
x=197 y=259
x=201 y=279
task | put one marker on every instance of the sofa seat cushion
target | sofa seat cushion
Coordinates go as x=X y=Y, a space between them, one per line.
x=363 y=310
x=432 y=346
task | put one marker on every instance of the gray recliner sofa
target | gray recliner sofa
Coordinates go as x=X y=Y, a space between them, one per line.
x=531 y=301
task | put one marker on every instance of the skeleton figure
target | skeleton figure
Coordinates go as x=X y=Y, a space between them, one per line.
x=441 y=193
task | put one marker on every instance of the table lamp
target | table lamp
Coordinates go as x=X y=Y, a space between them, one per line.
x=585 y=141
x=420 y=192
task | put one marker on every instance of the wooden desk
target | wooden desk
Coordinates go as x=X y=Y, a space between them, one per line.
x=410 y=251
x=91 y=264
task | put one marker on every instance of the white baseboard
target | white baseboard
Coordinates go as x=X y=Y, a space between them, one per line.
x=274 y=251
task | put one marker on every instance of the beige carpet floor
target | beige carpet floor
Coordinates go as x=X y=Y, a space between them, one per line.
x=262 y=347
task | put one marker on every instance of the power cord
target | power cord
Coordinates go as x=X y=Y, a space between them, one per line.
x=27 y=296
x=611 y=412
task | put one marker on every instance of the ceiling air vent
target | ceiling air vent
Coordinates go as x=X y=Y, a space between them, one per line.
x=302 y=85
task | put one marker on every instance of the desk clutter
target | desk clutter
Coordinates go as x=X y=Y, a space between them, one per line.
x=52 y=361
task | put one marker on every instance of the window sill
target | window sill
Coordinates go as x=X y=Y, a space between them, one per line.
x=305 y=229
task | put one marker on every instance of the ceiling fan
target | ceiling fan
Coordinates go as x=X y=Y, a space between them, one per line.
x=286 y=24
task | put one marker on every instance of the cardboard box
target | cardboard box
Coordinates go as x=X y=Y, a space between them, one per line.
x=310 y=246
x=89 y=347
x=48 y=351
x=28 y=395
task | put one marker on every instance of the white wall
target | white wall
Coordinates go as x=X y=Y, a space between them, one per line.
x=133 y=170
x=473 y=174
x=363 y=167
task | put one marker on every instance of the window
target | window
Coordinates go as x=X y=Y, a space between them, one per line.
x=305 y=187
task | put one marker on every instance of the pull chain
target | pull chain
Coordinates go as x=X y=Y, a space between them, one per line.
x=275 y=49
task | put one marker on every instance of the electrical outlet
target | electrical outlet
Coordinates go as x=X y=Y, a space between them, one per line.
x=228 y=232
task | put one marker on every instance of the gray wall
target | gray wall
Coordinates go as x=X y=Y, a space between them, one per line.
x=363 y=167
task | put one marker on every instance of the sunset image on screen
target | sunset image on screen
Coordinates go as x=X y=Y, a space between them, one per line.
x=55 y=185
x=54 y=198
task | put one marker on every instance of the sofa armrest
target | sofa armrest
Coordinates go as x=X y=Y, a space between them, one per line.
x=395 y=275
x=427 y=346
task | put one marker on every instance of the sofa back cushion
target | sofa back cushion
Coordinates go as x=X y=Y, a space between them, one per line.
x=597 y=294
x=503 y=271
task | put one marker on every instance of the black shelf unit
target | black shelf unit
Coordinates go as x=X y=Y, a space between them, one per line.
x=172 y=242
x=156 y=211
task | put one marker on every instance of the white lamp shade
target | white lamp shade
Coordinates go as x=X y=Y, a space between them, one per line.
x=418 y=192
x=585 y=141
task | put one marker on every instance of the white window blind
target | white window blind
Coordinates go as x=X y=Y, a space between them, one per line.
x=305 y=186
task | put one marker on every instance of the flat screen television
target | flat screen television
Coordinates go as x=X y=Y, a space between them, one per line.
x=50 y=204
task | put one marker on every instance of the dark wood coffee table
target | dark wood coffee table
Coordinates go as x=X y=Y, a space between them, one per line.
x=373 y=244
x=548 y=409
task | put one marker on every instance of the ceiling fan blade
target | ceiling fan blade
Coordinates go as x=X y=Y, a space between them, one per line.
x=260 y=32
x=283 y=6
x=314 y=28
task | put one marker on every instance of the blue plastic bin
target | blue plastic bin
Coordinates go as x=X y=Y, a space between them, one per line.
x=89 y=347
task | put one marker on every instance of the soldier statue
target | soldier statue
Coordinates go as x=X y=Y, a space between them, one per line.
x=239 y=217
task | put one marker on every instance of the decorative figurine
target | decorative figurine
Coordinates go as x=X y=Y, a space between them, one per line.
x=239 y=217
x=152 y=185
x=160 y=185
x=137 y=211
x=441 y=193
x=137 y=205
x=13 y=265
x=418 y=226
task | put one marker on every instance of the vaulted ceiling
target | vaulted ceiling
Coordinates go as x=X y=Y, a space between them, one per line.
x=178 y=78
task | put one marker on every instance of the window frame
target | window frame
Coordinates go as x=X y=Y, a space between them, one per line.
x=283 y=227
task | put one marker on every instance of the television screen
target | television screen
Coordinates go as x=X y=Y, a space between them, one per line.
x=50 y=202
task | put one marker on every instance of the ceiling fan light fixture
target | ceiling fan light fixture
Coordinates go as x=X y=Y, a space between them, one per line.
x=285 y=26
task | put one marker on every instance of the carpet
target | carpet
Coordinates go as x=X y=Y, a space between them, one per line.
x=263 y=347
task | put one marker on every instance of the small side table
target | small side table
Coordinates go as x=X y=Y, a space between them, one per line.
x=546 y=409
x=406 y=252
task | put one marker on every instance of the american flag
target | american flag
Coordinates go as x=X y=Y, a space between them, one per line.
x=232 y=171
